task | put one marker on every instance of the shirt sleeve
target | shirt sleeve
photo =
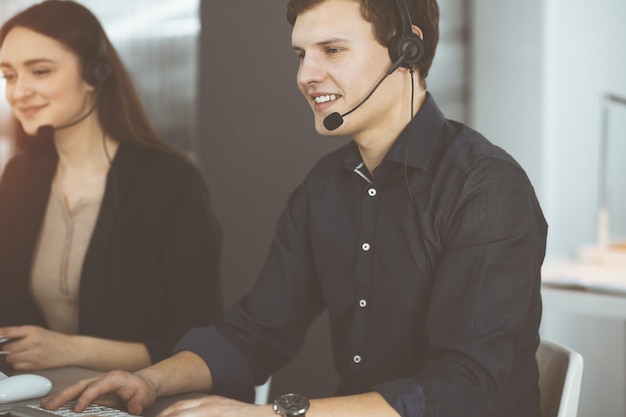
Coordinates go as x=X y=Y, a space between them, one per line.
x=265 y=330
x=229 y=368
x=485 y=308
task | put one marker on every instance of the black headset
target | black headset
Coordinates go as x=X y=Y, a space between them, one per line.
x=97 y=70
x=406 y=45
x=406 y=49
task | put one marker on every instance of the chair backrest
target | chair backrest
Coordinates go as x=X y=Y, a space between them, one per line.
x=262 y=392
x=560 y=376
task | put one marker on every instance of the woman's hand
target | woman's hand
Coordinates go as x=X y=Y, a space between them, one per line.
x=32 y=348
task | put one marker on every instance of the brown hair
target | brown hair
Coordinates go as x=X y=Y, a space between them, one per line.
x=120 y=110
x=383 y=15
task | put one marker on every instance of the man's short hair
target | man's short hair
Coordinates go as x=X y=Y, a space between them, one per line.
x=383 y=14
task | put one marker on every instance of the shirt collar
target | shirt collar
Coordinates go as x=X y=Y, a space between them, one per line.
x=426 y=127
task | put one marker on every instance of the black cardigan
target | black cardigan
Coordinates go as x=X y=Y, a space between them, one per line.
x=152 y=267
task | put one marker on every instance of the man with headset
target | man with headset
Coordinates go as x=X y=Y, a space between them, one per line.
x=422 y=239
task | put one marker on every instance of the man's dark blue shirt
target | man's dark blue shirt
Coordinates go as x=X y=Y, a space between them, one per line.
x=433 y=303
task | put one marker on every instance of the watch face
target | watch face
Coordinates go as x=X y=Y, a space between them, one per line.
x=292 y=404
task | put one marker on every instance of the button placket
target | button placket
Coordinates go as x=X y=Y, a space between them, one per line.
x=358 y=335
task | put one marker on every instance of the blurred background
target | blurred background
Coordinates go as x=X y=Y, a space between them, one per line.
x=218 y=80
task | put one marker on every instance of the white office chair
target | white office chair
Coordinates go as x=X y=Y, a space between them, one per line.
x=560 y=376
x=262 y=392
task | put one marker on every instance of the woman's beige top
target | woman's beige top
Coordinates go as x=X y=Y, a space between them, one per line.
x=58 y=259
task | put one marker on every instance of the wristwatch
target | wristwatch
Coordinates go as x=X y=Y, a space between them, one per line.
x=291 y=405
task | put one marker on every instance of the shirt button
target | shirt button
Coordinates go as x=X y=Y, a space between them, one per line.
x=365 y=247
x=356 y=359
x=362 y=303
x=371 y=192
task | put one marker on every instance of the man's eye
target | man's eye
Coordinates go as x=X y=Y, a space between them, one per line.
x=332 y=51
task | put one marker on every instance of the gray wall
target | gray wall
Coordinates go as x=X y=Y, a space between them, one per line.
x=258 y=142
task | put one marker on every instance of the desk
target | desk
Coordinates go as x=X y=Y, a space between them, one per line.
x=63 y=377
x=594 y=304
x=593 y=324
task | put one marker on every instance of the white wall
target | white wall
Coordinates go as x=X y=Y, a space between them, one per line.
x=586 y=58
x=507 y=78
x=539 y=71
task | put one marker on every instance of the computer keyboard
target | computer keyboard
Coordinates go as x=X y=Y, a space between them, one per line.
x=34 y=410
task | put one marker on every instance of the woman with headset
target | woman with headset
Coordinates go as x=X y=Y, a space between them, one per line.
x=109 y=246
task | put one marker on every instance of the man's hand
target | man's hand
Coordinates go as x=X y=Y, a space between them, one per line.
x=118 y=389
x=215 y=406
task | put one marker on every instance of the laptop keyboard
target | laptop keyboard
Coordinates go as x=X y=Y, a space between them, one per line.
x=34 y=410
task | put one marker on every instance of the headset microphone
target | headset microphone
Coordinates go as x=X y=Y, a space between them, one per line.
x=96 y=72
x=334 y=120
x=46 y=132
x=405 y=49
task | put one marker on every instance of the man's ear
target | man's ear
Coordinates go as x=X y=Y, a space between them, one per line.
x=406 y=48
x=418 y=31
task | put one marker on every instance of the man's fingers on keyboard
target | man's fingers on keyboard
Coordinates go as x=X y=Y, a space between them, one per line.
x=56 y=400
x=105 y=401
x=104 y=388
x=67 y=410
x=135 y=407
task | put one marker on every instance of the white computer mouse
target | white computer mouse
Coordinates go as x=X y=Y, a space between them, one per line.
x=23 y=387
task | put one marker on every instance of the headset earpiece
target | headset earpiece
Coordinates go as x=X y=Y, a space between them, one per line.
x=406 y=45
x=97 y=70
